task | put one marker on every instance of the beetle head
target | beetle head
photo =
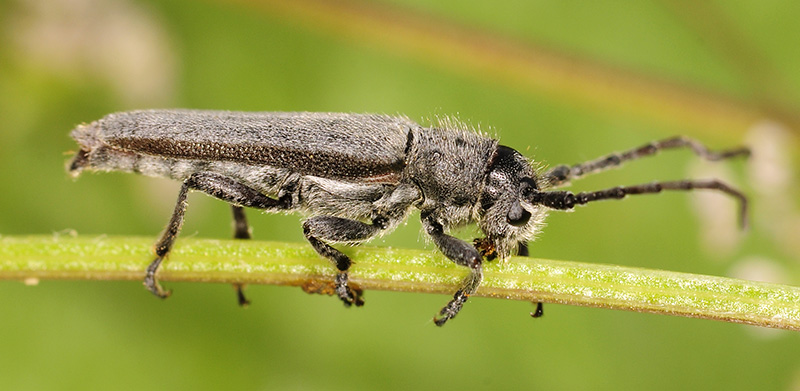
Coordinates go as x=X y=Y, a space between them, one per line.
x=508 y=217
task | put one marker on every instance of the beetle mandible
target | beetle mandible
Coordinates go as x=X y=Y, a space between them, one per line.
x=358 y=175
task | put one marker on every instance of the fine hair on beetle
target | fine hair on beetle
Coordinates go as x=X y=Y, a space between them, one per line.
x=356 y=176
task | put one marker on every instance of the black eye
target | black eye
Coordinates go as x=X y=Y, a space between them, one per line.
x=526 y=186
x=518 y=216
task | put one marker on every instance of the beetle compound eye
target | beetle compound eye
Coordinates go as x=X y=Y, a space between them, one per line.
x=518 y=216
x=527 y=186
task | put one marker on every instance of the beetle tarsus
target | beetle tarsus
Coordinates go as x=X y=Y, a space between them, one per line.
x=150 y=280
x=539 y=312
x=452 y=308
x=240 y=297
x=349 y=295
x=468 y=287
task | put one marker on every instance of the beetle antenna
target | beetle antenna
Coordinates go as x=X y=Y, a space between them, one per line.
x=565 y=200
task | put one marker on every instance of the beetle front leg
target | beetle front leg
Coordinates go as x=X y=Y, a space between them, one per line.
x=321 y=229
x=462 y=253
x=221 y=187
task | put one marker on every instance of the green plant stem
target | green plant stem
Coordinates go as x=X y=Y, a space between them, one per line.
x=35 y=258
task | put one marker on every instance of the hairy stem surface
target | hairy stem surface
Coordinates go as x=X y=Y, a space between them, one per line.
x=34 y=258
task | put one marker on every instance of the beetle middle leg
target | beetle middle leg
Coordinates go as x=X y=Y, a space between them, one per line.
x=321 y=229
x=219 y=186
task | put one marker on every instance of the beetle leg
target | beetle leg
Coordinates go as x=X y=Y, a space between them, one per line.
x=241 y=230
x=539 y=310
x=219 y=186
x=321 y=229
x=164 y=244
x=522 y=251
x=462 y=253
x=561 y=175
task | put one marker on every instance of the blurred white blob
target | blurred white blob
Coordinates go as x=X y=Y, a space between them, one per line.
x=719 y=220
x=760 y=269
x=773 y=180
x=769 y=169
x=770 y=187
x=117 y=41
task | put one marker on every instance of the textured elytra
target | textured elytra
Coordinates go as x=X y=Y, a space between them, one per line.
x=345 y=146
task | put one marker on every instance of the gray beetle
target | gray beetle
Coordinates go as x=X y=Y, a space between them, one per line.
x=358 y=175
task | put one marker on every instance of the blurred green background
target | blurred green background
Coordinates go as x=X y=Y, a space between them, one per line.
x=617 y=74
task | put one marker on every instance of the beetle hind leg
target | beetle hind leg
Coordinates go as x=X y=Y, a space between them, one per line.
x=241 y=230
x=221 y=187
x=164 y=244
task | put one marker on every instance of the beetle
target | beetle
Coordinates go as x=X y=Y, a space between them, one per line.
x=358 y=175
